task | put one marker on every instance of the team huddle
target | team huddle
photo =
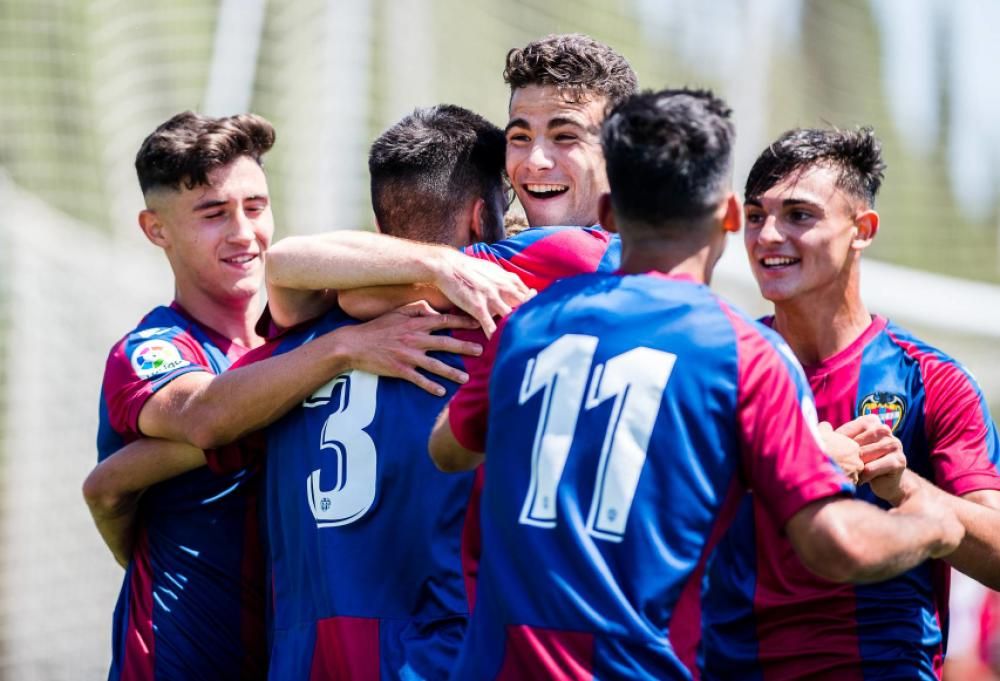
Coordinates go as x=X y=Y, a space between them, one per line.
x=441 y=451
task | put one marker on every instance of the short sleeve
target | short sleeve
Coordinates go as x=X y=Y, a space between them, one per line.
x=140 y=365
x=961 y=434
x=468 y=411
x=783 y=460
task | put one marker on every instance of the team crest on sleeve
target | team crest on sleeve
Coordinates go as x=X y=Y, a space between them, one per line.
x=155 y=357
x=889 y=407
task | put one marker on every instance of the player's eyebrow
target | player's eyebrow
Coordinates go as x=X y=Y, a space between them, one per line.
x=209 y=203
x=563 y=120
x=794 y=201
x=753 y=202
x=516 y=123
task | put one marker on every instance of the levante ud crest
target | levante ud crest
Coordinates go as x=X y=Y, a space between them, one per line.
x=887 y=406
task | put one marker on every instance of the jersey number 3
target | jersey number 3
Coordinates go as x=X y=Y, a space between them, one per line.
x=353 y=450
x=635 y=380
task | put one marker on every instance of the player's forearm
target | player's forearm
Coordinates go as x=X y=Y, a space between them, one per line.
x=117 y=529
x=846 y=540
x=979 y=553
x=446 y=451
x=373 y=301
x=352 y=259
x=246 y=399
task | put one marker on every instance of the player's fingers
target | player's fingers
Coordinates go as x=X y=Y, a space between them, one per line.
x=418 y=308
x=439 y=368
x=450 y=321
x=418 y=379
x=886 y=465
x=877 y=450
x=860 y=426
x=454 y=345
x=824 y=427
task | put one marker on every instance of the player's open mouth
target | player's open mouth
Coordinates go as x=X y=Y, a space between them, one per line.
x=242 y=259
x=545 y=191
x=774 y=262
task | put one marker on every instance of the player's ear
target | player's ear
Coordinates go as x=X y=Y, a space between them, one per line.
x=733 y=218
x=476 y=222
x=866 y=227
x=152 y=226
x=605 y=213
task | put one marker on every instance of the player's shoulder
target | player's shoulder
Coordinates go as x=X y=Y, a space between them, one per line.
x=153 y=346
x=936 y=368
x=549 y=236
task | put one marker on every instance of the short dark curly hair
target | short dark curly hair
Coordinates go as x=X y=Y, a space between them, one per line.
x=186 y=148
x=574 y=63
x=426 y=166
x=857 y=154
x=669 y=155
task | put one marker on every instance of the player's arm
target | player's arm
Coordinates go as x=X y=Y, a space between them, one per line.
x=979 y=512
x=370 y=302
x=209 y=411
x=113 y=488
x=354 y=259
x=447 y=452
x=847 y=540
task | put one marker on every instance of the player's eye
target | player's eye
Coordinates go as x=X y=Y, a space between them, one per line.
x=517 y=137
x=754 y=218
x=566 y=137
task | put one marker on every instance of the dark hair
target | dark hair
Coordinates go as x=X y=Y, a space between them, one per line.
x=668 y=155
x=189 y=146
x=426 y=167
x=857 y=154
x=574 y=63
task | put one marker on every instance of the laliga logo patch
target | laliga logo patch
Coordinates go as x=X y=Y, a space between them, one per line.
x=156 y=357
x=887 y=406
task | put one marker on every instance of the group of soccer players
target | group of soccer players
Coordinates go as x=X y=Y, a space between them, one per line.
x=628 y=478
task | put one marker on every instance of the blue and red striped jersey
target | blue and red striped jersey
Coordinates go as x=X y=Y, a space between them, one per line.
x=363 y=532
x=767 y=617
x=191 y=605
x=539 y=257
x=625 y=417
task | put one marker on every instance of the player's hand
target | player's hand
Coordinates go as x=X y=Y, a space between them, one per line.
x=842 y=449
x=882 y=454
x=397 y=344
x=481 y=288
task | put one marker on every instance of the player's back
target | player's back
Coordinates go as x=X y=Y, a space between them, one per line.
x=613 y=463
x=191 y=604
x=364 y=532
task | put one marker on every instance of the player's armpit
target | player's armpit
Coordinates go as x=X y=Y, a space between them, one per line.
x=446 y=451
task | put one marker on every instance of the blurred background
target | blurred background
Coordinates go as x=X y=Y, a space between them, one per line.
x=82 y=83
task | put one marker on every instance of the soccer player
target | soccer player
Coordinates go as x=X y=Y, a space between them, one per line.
x=809 y=217
x=644 y=406
x=364 y=534
x=190 y=605
x=561 y=87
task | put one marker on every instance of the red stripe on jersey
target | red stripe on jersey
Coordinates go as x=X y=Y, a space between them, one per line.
x=254 y=665
x=955 y=424
x=684 y=629
x=534 y=654
x=346 y=648
x=138 y=663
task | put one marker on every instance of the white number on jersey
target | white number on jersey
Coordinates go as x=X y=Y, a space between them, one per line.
x=635 y=380
x=352 y=448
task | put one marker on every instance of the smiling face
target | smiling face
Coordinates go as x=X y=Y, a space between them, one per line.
x=215 y=234
x=805 y=234
x=554 y=157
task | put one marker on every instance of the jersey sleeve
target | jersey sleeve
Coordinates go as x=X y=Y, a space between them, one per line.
x=139 y=365
x=963 y=440
x=783 y=460
x=543 y=255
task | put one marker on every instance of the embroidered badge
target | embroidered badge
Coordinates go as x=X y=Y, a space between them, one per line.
x=888 y=407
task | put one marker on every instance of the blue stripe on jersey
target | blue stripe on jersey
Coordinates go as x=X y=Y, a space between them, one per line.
x=727 y=615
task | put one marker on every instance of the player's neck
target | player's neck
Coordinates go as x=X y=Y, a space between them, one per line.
x=817 y=327
x=670 y=257
x=234 y=319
